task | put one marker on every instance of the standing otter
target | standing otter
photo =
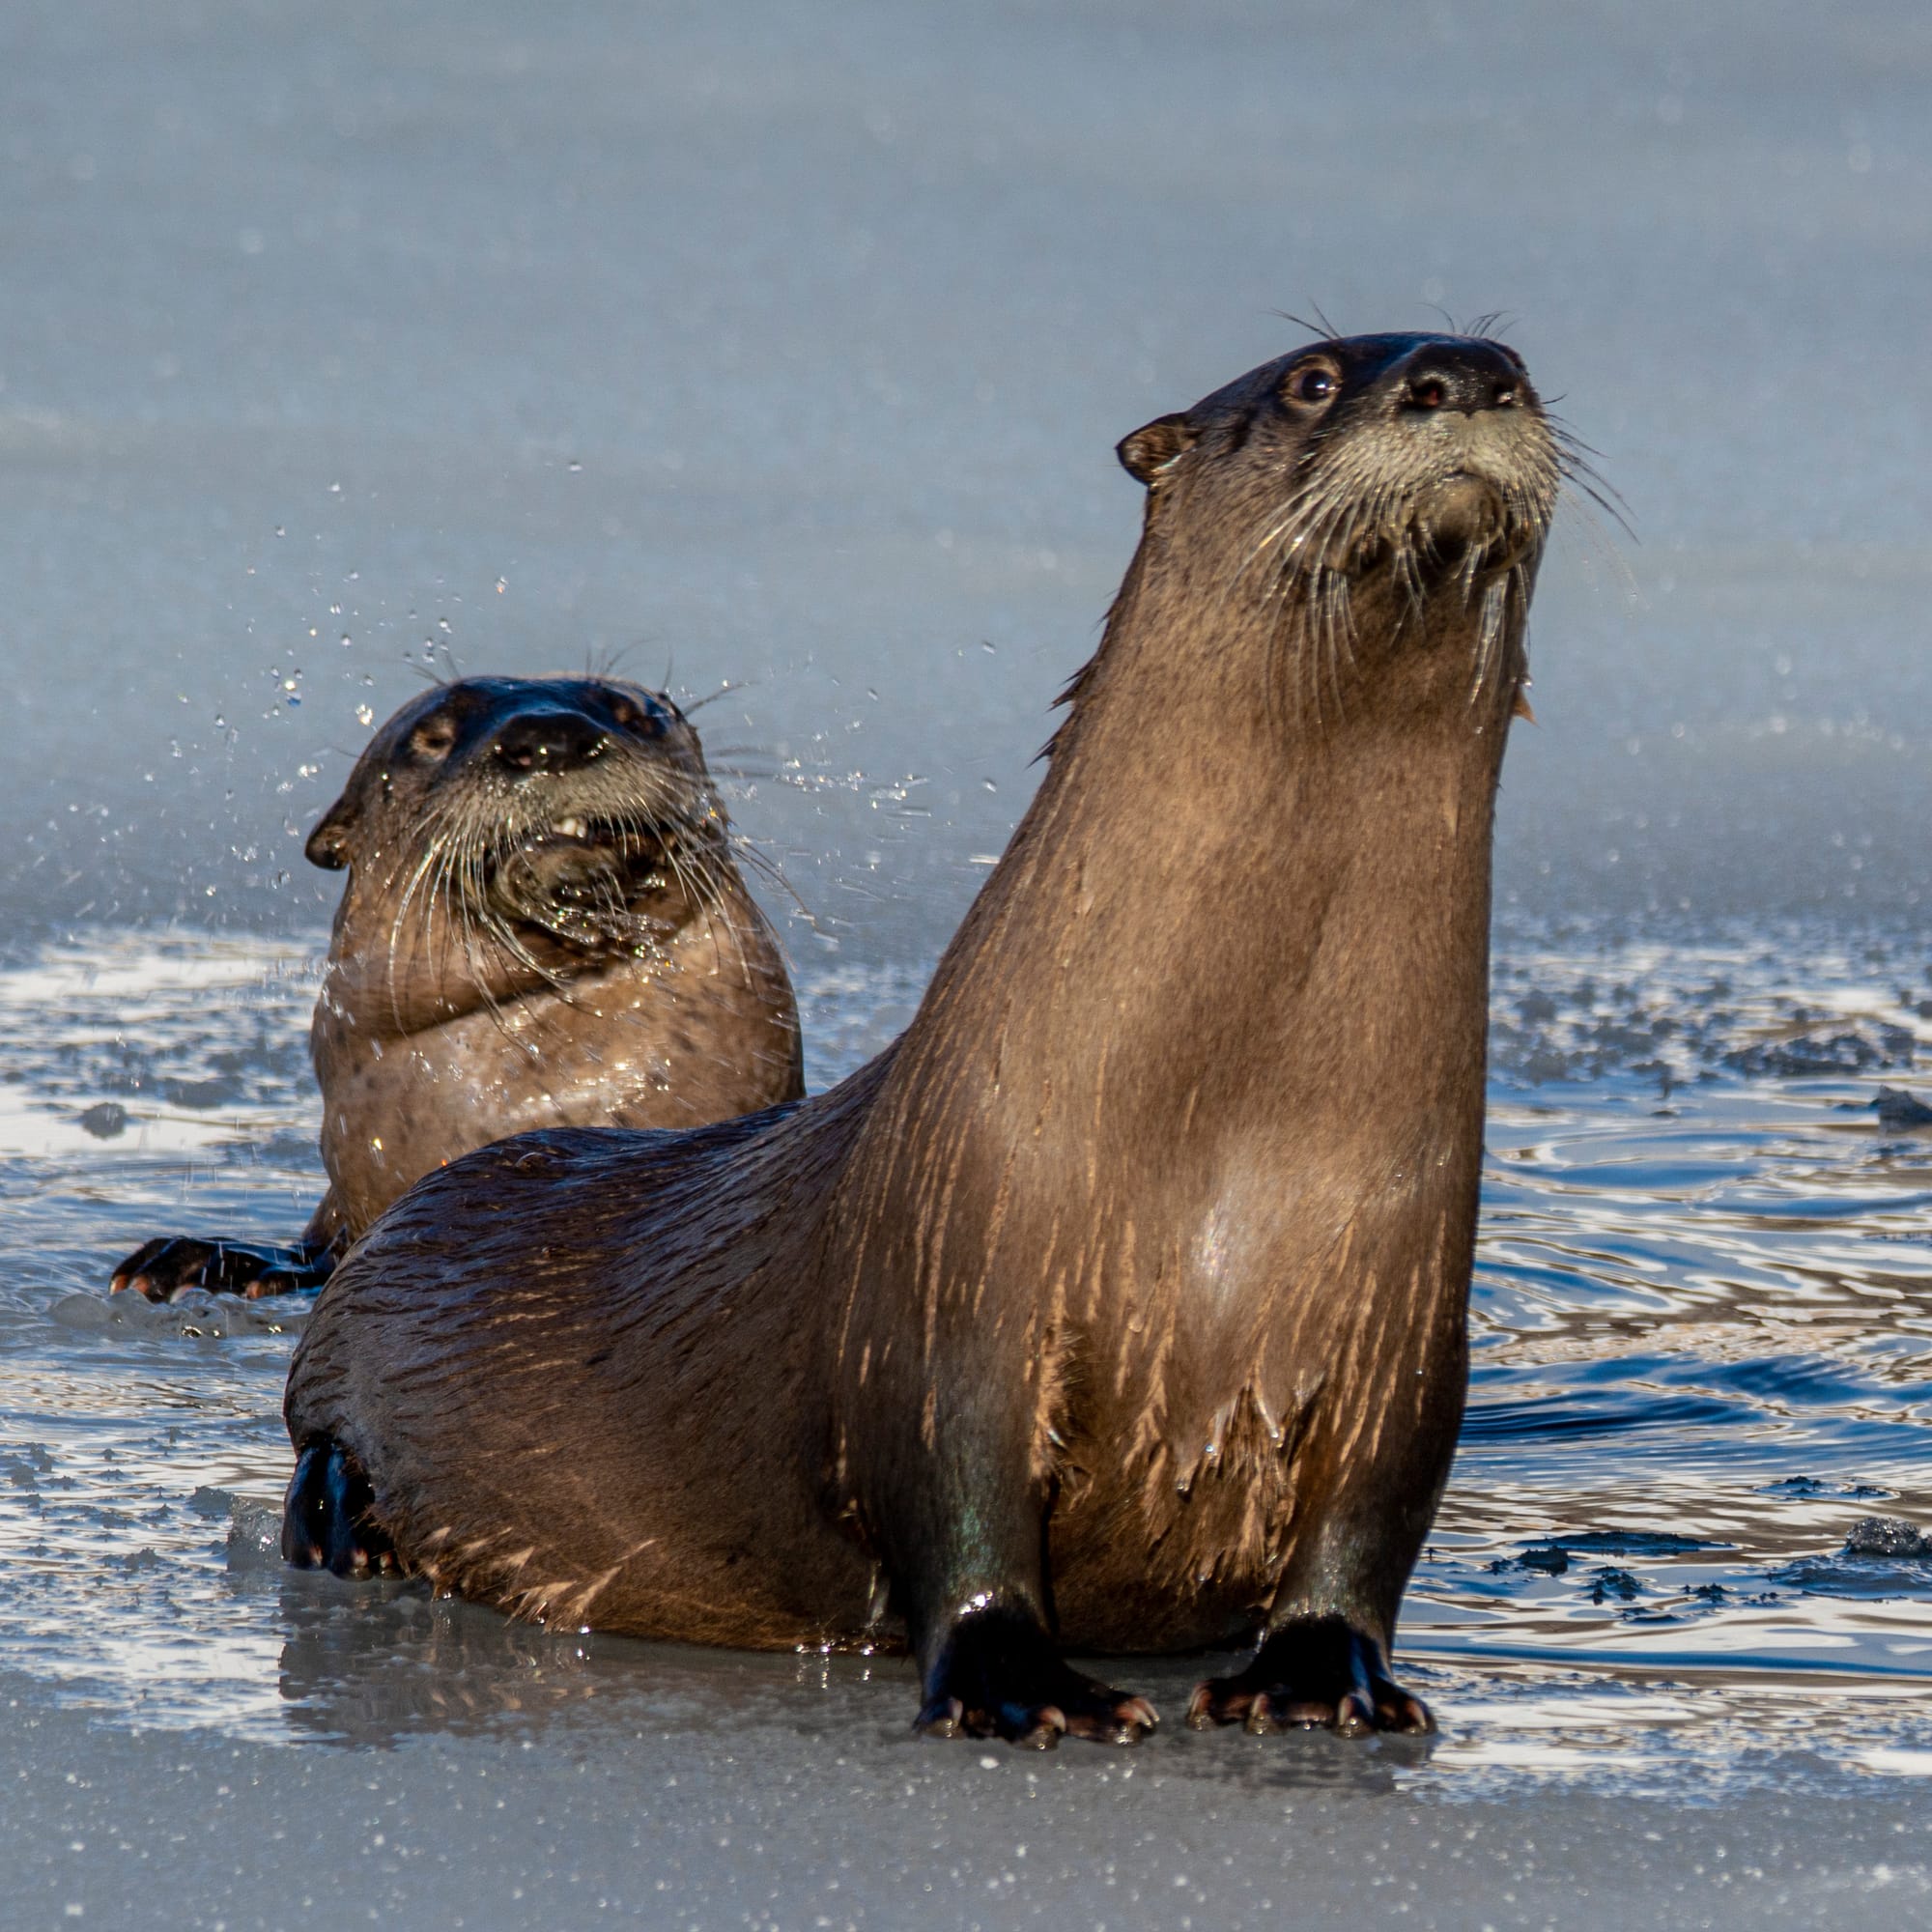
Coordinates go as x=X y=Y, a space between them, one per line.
x=1120 y=1301
x=543 y=926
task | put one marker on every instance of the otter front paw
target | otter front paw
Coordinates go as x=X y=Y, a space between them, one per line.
x=325 y=1516
x=1316 y=1674
x=160 y=1268
x=1000 y=1675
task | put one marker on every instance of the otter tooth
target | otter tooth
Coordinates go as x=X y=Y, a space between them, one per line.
x=571 y=828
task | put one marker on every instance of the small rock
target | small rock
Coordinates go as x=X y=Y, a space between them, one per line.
x=1897 y=1109
x=1615 y=1587
x=1886 y=1536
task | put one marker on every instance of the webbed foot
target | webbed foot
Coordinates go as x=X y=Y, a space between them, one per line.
x=1316 y=1674
x=325 y=1520
x=1001 y=1675
x=170 y=1263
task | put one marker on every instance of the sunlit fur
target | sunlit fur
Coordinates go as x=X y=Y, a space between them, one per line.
x=558 y=946
x=1125 y=1293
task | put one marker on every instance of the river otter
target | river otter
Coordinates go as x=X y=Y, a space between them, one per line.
x=1121 y=1301
x=543 y=926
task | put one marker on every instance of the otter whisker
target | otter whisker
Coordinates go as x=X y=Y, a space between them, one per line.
x=752 y=857
x=481 y=932
x=1324 y=601
x=396 y=926
x=725 y=689
x=1574 y=466
x=1495 y=598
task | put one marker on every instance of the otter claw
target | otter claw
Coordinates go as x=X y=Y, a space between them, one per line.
x=1000 y=1676
x=325 y=1520
x=945 y=1717
x=1315 y=1675
x=160 y=1269
x=1046 y=1734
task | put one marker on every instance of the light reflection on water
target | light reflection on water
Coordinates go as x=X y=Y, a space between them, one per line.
x=1702 y=1351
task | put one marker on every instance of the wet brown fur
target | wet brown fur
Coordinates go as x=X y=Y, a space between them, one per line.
x=464 y=999
x=489 y=973
x=1128 y=1287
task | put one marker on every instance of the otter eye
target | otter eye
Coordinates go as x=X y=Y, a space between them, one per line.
x=433 y=739
x=630 y=717
x=1312 y=383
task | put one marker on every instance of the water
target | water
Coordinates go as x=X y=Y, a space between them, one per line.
x=784 y=350
x=1703 y=1353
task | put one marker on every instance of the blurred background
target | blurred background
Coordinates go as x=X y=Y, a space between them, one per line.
x=785 y=347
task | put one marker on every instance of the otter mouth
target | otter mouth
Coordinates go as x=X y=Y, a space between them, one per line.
x=1458 y=522
x=579 y=832
x=581 y=872
x=1460 y=516
x=1455 y=524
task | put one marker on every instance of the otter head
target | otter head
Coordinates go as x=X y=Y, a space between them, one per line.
x=501 y=832
x=1388 y=491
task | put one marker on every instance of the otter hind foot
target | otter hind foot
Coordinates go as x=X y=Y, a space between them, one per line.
x=325 y=1520
x=1318 y=1673
x=1000 y=1675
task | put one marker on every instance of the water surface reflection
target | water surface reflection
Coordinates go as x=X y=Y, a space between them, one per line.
x=1702 y=1354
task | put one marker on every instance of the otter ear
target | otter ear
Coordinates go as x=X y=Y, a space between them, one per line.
x=1156 y=445
x=329 y=843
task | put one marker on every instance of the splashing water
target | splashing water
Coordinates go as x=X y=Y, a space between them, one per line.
x=1702 y=1357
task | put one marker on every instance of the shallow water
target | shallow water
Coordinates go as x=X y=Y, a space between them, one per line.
x=787 y=349
x=1703 y=1353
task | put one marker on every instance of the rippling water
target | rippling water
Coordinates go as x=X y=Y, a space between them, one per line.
x=1703 y=1357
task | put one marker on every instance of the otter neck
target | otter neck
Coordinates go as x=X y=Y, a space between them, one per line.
x=1221 y=922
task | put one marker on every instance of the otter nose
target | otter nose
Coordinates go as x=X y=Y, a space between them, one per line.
x=1464 y=375
x=550 y=740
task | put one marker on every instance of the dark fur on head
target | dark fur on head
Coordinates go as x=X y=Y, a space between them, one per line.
x=1343 y=500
